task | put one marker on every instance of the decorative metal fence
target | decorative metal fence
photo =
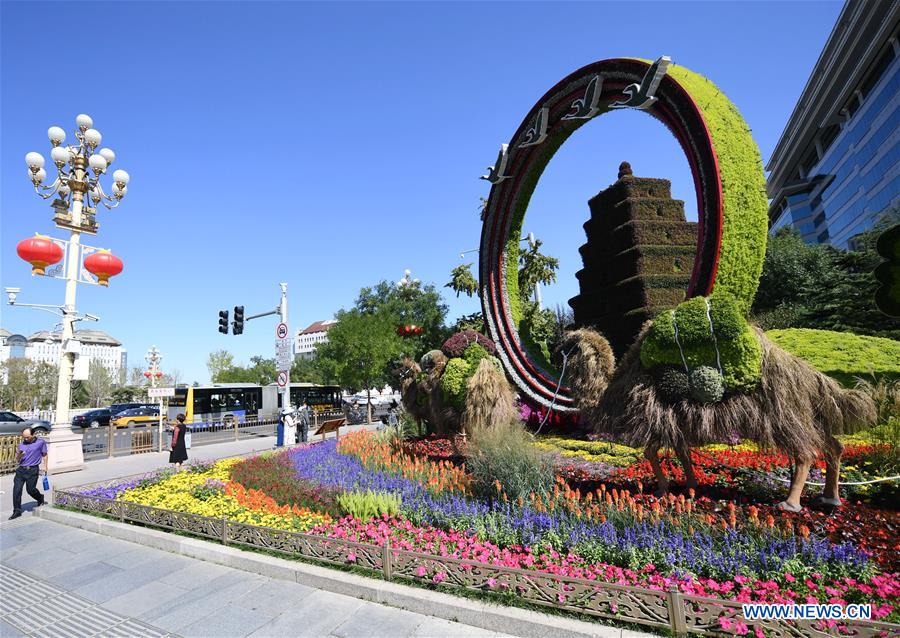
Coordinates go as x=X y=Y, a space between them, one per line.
x=670 y=609
x=8 y=446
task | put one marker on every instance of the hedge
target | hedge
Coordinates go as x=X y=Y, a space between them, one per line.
x=842 y=355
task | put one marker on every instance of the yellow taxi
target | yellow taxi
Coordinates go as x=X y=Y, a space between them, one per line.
x=144 y=415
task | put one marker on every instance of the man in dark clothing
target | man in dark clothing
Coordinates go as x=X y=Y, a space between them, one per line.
x=31 y=456
x=303 y=430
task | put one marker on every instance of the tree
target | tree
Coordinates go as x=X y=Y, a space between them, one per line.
x=29 y=384
x=306 y=371
x=125 y=394
x=474 y=321
x=360 y=346
x=260 y=371
x=217 y=362
x=462 y=280
x=99 y=383
x=136 y=376
x=171 y=378
x=411 y=304
x=535 y=268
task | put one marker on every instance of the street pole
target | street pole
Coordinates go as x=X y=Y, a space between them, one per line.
x=283 y=312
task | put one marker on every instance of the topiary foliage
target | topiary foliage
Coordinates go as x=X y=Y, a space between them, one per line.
x=456 y=345
x=706 y=385
x=672 y=383
x=739 y=352
x=453 y=382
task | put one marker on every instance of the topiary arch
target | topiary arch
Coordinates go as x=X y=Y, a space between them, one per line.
x=728 y=179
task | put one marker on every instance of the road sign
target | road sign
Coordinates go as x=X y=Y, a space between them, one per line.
x=284 y=350
x=281 y=379
x=156 y=393
x=281 y=331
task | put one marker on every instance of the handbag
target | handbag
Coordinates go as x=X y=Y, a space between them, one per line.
x=187 y=440
x=46 y=483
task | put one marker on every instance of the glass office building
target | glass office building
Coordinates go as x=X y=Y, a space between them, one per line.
x=836 y=168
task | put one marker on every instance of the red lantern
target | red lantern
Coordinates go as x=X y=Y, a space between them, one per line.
x=147 y=374
x=40 y=252
x=104 y=265
x=158 y=375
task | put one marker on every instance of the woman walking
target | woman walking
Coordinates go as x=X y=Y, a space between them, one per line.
x=178 y=455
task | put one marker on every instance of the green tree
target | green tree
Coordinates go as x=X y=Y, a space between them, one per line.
x=260 y=370
x=535 y=268
x=98 y=384
x=412 y=304
x=360 y=347
x=217 y=362
x=306 y=371
x=474 y=321
x=125 y=394
x=462 y=280
x=28 y=384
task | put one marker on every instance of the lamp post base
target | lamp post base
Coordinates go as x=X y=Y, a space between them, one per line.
x=64 y=452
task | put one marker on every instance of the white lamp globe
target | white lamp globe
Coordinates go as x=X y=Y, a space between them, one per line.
x=108 y=155
x=84 y=122
x=121 y=177
x=119 y=191
x=97 y=162
x=40 y=175
x=92 y=137
x=57 y=135
x=59 y=155
x=95 y=194
x=34 y=160
x=64 y=190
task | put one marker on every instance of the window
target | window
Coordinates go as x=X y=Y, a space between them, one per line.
x=828 y=136
x=823 y=237
x=881 y=65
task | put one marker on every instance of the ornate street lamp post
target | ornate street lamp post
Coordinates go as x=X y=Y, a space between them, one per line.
x=78 y=192
x=153 y=357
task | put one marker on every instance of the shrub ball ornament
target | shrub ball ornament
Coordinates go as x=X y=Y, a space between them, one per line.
x=728 y=180
x=40 y=251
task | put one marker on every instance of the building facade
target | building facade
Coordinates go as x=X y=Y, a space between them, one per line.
x=836 y=167
x=45 y=347
x=305 y=343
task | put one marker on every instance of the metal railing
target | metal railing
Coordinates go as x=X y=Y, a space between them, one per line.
x=9 y=443
x=670 y=609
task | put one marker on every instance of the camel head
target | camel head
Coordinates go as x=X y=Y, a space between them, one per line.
x=590 y=364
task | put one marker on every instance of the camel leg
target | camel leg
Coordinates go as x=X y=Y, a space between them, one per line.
x=651 y=453
x=792 y=502
x=831 y=494
x=684 y=457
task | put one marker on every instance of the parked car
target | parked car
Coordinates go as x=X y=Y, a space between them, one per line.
x=14 y=424
x=93 y=419
x=117 y=408
x=136 y=416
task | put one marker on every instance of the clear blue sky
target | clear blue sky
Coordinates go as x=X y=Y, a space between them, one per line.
x=333 y=145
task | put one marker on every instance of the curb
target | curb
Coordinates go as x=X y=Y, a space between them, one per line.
x=509 y=620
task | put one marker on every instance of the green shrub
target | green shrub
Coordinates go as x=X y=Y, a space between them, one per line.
x=842 y=355
x=367 y=505
x=474 y=354
x=672 y=383
x=707 y=385
x=740 y=353
x=504 y=454
x=453 y=382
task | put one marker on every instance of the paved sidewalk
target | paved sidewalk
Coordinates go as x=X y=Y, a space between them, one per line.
x=78 y=583
x=105 y=469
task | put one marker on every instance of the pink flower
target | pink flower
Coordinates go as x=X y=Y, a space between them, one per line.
x=351 y=557
x=740 y=628
x=491 y=582
x=726 y=623
x=421 y=571
x=440 y=576
x=789 y=578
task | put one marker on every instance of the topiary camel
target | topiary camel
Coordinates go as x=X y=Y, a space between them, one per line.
x=716 y=384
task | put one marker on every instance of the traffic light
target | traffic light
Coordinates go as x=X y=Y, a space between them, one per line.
x=238 y=324
x=223 y=322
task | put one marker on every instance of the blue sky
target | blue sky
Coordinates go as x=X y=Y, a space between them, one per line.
x=333 y=145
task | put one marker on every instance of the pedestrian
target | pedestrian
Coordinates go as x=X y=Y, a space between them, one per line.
x=290 y=426
x=178 y=455
x=31 y=457
x=392 y=415
x=303 y=430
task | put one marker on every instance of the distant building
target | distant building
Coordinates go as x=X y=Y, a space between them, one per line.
x=305 y=343
x=45 y=346
x=837 y=164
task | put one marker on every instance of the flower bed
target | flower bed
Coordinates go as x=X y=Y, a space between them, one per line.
x=742 y=553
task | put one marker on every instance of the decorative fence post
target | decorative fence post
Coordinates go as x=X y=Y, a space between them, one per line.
x=675 y=603
x=386 y=559
x=110 y=430
x=224 y=530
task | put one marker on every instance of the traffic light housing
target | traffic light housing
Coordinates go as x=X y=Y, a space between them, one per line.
x=223 y=322
x=238 y=324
